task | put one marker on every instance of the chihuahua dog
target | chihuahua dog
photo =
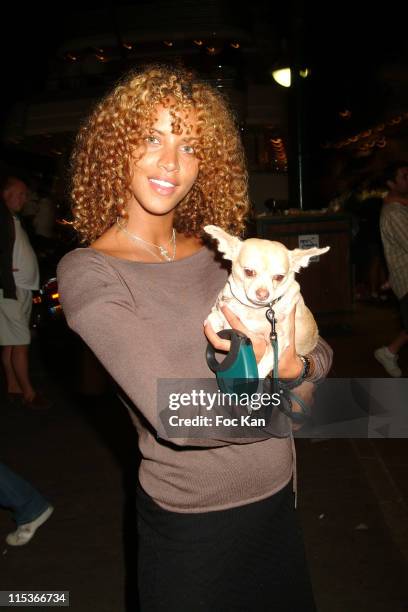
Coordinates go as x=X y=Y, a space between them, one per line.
x=263 y=274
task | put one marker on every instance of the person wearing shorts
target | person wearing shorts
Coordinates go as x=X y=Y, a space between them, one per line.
x=19 y=276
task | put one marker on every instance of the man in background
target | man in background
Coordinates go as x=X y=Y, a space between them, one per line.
x=19 y=276
x=394 y=234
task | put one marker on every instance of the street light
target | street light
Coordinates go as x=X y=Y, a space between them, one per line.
x=283 y=76
x=291 y=78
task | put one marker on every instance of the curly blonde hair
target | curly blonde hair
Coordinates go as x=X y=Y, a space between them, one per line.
x=101 y=160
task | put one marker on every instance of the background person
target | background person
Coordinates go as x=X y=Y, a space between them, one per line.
x=394 y=234
x=30 y=509
x=19 y=276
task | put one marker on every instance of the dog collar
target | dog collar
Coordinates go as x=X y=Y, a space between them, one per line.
x=271 y=304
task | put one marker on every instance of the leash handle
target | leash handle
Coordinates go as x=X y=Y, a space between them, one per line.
x=238 y=372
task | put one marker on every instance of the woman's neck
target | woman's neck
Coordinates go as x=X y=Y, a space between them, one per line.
x=154 y=229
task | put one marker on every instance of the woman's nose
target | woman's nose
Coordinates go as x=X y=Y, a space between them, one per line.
x=169 y=160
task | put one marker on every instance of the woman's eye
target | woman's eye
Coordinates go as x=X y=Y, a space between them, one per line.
x=278 y=277
x=249 y=272
x=152 y=140
x=188 y=149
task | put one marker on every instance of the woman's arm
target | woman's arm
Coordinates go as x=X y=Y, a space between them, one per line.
x=321 y=361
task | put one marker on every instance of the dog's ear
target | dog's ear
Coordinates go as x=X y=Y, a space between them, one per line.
x=300 y=258
x=228 y=245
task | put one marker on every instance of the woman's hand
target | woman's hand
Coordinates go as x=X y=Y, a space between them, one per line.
x=258 y=341
x=290 y=365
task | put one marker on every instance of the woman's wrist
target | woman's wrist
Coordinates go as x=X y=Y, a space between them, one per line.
x=308 y=366
x=301 y=366
x=292 y=369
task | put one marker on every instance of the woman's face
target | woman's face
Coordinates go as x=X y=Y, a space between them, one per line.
x=168 y=166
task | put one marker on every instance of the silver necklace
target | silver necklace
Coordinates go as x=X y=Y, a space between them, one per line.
x=164 y=253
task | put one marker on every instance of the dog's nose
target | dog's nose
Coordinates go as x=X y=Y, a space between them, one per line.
x=262 y=293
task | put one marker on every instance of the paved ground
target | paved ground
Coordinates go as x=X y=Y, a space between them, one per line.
x=353 y=495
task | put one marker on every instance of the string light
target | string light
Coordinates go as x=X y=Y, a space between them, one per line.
x=379 y=142
x=304 y=73
x=279 y=154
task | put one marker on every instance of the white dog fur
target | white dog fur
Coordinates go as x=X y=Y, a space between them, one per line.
x=263 y=271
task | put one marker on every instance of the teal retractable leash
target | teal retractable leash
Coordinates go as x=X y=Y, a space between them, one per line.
x=238 y=373
x=284 y=387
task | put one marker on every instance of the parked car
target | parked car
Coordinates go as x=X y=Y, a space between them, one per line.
x=47 y=309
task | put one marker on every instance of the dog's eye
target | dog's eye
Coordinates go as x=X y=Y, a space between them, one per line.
x=249 y=272
x=278 y=277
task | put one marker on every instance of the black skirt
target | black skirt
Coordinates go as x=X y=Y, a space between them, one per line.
x=250 y=558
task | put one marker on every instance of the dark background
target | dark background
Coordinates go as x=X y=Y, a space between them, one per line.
x=351 y=47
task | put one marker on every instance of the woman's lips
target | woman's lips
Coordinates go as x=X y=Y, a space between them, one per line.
x=161 y=186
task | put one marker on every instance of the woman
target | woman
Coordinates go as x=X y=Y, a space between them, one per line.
x=160 y=158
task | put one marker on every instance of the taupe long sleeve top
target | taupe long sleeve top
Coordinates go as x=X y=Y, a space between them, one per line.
x=144 y=322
